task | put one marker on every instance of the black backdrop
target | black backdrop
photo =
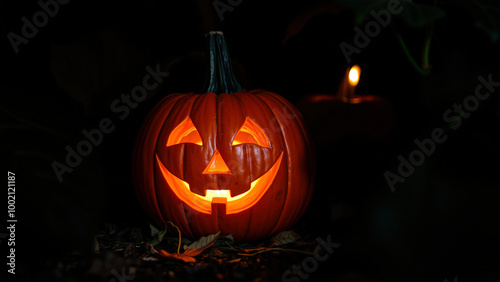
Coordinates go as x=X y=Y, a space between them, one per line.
x=442 y=222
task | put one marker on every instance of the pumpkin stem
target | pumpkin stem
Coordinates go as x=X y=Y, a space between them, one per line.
x=221 y=77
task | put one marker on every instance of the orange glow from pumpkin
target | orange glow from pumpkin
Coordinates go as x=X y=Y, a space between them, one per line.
x=185 y=132
x=216 y=165
x=251 y=133
x=354 y=74
x=234 y=204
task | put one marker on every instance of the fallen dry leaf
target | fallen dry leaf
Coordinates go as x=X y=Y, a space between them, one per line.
x=203 y=243
x=234 y=260
x=250 y=250
x=183 y=257
x=215 y=253
x=283 y=238
x=192 y=250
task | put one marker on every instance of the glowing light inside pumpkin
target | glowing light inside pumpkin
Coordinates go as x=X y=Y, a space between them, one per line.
x=250 y=133
x=234 y=204
x=210 y=194
x=217 y=165
x=185 y=132
x=354 y=74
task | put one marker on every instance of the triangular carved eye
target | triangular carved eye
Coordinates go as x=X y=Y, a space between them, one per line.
x=251 y=133
x=185 y=132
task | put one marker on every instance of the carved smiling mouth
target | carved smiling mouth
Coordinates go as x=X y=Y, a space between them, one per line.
x=235 y=204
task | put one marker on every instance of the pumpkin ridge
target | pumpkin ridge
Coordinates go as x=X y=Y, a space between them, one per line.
x=198 y=109
x=256 y=95
x=192 y=112
x=247 y=154
x=152 y=122
x=285 y=105
x=226 y=98
x=176 y=108
x=311 y=153
x=277 y=225
x=236 y=96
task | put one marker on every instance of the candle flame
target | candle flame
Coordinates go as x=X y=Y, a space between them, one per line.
x=354 y=75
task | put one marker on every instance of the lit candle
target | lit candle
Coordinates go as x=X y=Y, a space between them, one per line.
x=348 y=85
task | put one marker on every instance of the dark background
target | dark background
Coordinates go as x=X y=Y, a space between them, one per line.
x=442 y=222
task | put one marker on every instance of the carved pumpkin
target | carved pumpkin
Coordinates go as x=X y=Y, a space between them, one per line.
x=228 y=160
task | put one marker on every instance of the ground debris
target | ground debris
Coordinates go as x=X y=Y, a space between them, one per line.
x=126 y=254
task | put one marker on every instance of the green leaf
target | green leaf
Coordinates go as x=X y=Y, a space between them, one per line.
x=484 y=15
x=154 y=230
x=418 y=15
x=159 y=234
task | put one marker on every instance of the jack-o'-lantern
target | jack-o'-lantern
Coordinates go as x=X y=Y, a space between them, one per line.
x=234 y=161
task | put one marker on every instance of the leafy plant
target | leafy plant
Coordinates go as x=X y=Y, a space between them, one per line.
x=414 y=15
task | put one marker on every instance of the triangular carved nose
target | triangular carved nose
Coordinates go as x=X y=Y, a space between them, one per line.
x=216 y=165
